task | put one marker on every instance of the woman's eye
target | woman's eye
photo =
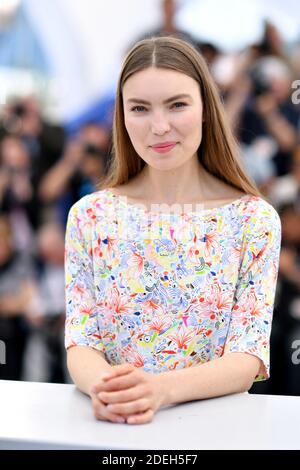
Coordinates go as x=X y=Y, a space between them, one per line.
x=179 y=105
x=138 y=108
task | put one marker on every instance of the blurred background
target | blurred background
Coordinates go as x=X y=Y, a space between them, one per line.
x=59 y=64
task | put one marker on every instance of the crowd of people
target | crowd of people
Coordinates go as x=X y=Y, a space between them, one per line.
x=44 y=170
x=42 y=173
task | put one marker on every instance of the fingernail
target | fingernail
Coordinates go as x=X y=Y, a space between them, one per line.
x=120 y=420
x=130 y=420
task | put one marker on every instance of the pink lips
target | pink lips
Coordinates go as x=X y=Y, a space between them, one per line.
x=163 y=147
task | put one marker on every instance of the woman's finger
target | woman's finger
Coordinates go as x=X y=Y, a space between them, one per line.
x=122 y=382
x=129 y=408
x=108 y=375
x=122 y=396
x=102 y=413
x=118 y=370
x=141 y=418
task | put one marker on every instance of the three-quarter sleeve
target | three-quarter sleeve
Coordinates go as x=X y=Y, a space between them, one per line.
x=81 y=327
x=252 y=312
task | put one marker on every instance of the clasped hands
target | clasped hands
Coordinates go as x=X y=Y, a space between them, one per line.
x=128 y=394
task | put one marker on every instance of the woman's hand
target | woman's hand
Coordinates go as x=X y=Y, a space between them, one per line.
x=99 y=407
x=131 y=393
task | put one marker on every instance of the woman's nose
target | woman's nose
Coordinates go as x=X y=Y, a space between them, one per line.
x=160 y=125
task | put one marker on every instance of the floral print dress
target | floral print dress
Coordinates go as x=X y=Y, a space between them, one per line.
x=165 y=291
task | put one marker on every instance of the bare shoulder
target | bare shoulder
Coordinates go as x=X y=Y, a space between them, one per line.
x=122 y=189
x=217 y=192
x=228 y=194
x=130 y=189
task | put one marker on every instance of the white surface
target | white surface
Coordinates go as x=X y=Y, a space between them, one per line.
x=53 y=416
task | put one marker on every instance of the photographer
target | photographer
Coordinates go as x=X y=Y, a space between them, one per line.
x=16 y=190
x=286 y=326
x=22 y=118
x=270 y=112
x=79 y=170
x=17 y=278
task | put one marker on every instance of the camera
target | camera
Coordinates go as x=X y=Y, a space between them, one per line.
x=260 y=84
x=93 y=150
x=19 y=110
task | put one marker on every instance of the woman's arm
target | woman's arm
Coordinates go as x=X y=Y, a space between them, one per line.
x=137 y=395
x=86 y=366
x=231 y=373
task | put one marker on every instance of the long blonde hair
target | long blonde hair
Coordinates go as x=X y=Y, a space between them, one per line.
x=218 y=152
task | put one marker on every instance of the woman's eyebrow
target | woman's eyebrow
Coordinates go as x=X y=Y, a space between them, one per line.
x=172 y=98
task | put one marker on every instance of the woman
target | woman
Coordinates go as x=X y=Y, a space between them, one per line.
x=171 y=266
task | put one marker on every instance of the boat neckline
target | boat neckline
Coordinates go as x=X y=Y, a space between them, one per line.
x=121 y=198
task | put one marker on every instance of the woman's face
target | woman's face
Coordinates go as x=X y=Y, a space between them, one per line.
x=155 y=113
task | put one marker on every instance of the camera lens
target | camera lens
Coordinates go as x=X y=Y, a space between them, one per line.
x=19 y=110
x=92 y=149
